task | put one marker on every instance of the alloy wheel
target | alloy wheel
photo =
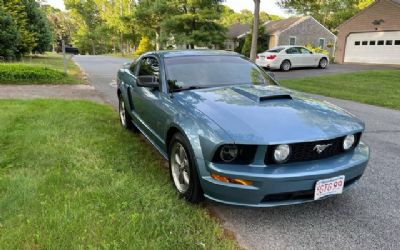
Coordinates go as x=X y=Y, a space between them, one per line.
x=122 y=115
x=180 y=167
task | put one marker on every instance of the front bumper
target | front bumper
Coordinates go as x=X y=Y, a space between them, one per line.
x=278 y=185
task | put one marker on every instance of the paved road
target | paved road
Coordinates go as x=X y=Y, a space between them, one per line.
x=332 y=69
x=367 y=217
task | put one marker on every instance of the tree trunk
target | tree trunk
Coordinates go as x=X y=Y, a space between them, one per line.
x=93 y=48
x=158 y=42
x=253 y=51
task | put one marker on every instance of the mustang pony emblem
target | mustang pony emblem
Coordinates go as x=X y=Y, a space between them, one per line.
x=321 y=148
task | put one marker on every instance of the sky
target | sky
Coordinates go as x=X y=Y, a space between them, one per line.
x=268 y=6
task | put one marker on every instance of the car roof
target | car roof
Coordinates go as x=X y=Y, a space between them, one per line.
x=193 y=52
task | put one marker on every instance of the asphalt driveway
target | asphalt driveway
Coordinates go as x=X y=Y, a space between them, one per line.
x=332 y=69
x=366 y=217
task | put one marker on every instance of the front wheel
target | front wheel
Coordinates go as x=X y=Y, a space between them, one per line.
x=183 y=171
x=323 y=63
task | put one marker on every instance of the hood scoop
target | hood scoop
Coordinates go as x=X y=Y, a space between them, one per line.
x=261 y=96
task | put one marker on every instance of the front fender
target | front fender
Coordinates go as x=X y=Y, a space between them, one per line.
x=203 y=134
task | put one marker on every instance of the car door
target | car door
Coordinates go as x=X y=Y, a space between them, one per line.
x=308 y=58
x=149 y=102
x=293 y=54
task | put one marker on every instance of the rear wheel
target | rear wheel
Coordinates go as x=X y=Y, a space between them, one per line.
x=183 y=170
x=124 y=117
x=286 y=65
x=323 y=63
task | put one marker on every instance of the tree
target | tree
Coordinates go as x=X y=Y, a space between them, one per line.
x=330 y=13
x=230 y=17
x=196 y=23
x=61 y=25
x=39 y=26
x=254 y=39
x=262 y=43
x=17 y=10
x=149 y=16
x=9 y=37
x=87 y=18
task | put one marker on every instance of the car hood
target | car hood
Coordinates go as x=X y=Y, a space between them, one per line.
x=253 y=114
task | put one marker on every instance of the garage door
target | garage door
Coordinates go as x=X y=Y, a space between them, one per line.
x=373 y=47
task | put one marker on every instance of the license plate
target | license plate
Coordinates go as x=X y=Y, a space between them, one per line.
x=328 y=187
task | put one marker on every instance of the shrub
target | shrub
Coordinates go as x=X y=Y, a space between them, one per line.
x=144 y=46
x=21 y=73
x=319 y=50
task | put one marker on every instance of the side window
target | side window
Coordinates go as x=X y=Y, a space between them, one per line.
x=292 y=51
x=372 y=42
x=357 y=43
x=132 y=67
x=149 y=67
x=304 y=51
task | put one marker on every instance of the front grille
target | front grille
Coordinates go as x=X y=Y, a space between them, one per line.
x=300 y=195
x=306 y=151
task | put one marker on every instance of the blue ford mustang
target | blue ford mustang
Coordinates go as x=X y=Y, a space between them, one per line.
x=233 y=135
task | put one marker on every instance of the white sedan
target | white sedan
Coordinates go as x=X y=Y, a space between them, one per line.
x=287 y=57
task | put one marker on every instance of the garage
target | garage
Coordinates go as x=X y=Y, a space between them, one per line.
x=373 y=47
x=371 y=36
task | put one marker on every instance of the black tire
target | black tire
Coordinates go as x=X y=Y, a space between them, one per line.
x=323 y=63
x=286 y=65
x=124 y=117
x=193 y=193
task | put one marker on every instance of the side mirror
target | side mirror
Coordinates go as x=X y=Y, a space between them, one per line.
x=126 y=65
x=148 y=81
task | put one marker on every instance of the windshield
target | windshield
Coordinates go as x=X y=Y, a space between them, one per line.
x=276 y=49
x=189 y=72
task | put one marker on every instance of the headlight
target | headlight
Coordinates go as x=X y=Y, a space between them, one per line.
x=228 y=153
x=348 y=142
x=281 y=153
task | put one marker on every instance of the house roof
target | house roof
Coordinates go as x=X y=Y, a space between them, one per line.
x=237 y=29
x=272 y=27
x=361 y=12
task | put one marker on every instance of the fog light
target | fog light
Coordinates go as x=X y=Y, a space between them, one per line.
x=281 y=153
x=231 y=180
x=229 y=153
x=348 y=142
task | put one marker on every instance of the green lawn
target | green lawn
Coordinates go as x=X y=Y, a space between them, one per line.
x=40 y=69
x=380 y=88
x=71 y=178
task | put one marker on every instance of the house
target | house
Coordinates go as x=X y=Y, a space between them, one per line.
x=234 y=31
x=371 y=36
x=298 y=31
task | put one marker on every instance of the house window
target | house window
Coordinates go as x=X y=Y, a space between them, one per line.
x=389 y=42
x=292 y=40
x=321 y=43
x=372 y=42
x=381 y=42
x=364 y=42
x=357 y=43
x=397 y=42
